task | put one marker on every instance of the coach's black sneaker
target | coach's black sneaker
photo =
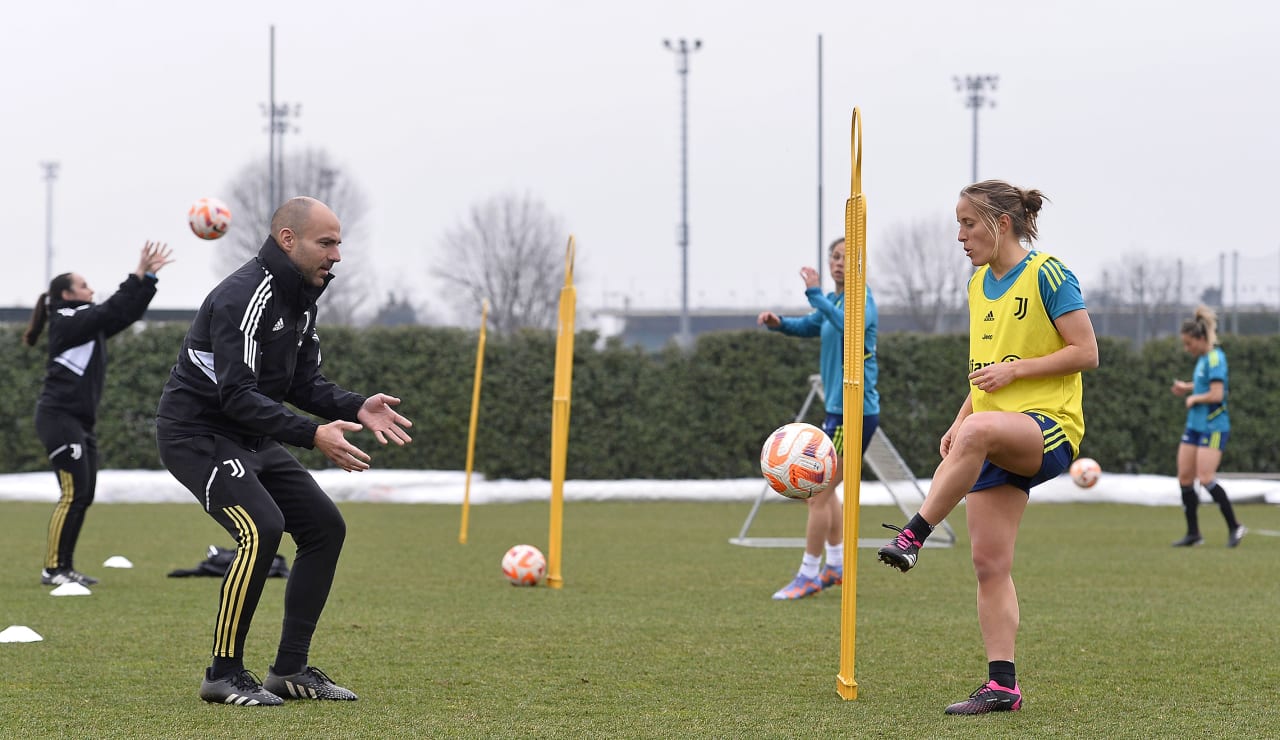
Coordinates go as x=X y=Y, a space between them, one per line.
x=242 y=689
x=59 y=576
x=990 y=697
x=1236 y=535
x=903 y=551
x=1192 y=540
x=310 y=683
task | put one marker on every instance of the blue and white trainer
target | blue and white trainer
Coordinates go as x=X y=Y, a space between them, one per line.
x=798 y=589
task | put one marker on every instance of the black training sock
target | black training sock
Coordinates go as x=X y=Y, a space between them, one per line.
x=920 y=528
x=1224 y=503
x=224 y=667
x=288 y=664
x=1002 y=672
x=1190 y=502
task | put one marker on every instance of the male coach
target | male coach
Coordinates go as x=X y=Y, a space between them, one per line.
x=220 y=427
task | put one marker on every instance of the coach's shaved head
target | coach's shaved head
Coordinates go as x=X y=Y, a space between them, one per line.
x=310 y=233
x=292 y=215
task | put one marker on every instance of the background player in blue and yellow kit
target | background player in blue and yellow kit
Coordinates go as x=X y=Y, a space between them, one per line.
x=1021 y=423
x=1208 y=426
x=824 y=529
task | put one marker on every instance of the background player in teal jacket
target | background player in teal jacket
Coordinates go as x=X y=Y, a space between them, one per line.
x=1208 y=426
x=825 y=525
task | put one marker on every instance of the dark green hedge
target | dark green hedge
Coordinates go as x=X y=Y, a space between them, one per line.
x=667 y=415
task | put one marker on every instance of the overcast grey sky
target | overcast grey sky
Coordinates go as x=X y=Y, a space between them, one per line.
x=1150 y=125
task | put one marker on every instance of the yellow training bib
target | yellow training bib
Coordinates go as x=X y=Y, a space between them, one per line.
x=1016 y=326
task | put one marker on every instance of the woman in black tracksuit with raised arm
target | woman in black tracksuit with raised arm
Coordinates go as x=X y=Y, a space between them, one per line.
x=73 y=381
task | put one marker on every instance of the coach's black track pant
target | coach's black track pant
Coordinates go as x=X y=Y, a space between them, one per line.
x=258 y=495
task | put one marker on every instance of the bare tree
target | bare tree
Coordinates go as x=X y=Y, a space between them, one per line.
x=923 y=272
x=509 y=250
x=311 y=172
x=1149 y=285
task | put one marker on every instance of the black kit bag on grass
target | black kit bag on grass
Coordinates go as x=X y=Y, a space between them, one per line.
x=220 y=559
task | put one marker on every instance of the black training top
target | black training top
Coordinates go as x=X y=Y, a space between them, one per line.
x=78 y=333
x=252 y=347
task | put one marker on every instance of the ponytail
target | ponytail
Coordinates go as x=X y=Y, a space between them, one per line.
x=996 y=198
x=1202 y=325
x=40 y=314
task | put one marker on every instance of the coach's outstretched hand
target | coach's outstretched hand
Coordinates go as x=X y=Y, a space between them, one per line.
x=379 y=417
x=331 y=440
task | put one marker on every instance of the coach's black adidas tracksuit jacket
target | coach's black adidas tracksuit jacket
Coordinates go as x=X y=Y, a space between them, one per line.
x=252 y=346
x=220 y=424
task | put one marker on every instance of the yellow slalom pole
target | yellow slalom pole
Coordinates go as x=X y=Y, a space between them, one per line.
x=855 y=310
x=475 y=413
x=560 y=416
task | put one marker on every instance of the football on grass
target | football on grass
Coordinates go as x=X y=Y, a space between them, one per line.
x=1085 y=471
x=524 y=565
x=798 y=460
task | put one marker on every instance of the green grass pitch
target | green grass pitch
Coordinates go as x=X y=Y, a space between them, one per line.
x=662 y=629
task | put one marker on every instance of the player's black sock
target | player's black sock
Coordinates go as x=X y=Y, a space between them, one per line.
x=1190 y=501
x=288 y=664
x=1224 y=503
x=1002 y=672
x=920 y=528
x=223 y=667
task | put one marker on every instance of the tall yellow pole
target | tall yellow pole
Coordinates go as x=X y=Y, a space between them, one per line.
x=560 y=416
x=855 y=309
x=475 y=413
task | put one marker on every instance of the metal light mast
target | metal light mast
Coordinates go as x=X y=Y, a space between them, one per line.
x=50 y=174
x=682 y=49
x=975 y=88
x=277 y=125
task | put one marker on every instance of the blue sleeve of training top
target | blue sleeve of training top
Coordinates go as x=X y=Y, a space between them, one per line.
x=809 y=325
x=1059 y=289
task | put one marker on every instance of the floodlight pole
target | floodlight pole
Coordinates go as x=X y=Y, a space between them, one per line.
x=283 y=112
x=1235 y=292
x=327 y=177
x=682 y=49
x=50 y=174
x=820 y=260
x=277 y=126
x=272 y=201
x=974 y=87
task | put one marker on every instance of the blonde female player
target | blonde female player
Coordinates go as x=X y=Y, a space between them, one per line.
x=825 y=526
x=1208 y=426
x=1021 y=424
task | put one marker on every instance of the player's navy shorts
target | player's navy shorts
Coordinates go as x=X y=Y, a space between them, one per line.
x=1055 y=461
x=834 y=427
x=1212 y=440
